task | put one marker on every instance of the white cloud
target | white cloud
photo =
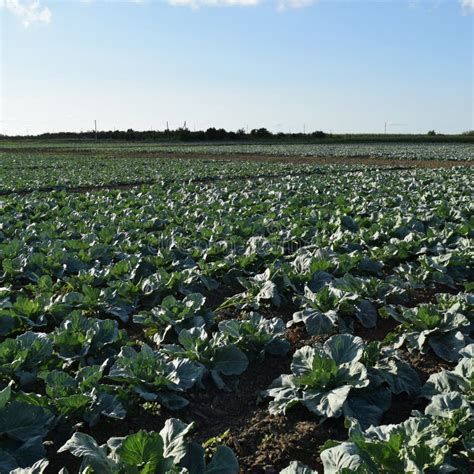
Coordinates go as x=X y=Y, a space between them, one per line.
x=281 y=4
x=467 y=5
x=213 y=3
x=32 y=11
x=285 y=4
x=29 y=11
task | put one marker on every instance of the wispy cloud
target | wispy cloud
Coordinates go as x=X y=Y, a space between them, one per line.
x=285 y=4
x=213 y=3
x=33 y=11
x=281 y=4
x=29 y=11
x=467 y=6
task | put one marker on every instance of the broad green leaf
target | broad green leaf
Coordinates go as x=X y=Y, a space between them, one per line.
x=142 y=450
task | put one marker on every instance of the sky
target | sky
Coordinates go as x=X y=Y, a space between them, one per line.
x=287 y=65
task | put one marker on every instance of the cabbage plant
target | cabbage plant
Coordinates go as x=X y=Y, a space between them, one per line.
x=23 y=312
x=174 y=314
x=256 y=335
x=214 y=354
x=460 y=379
x=149 y=452
x=385 y=367
x=264 y=288
x=153 y=377
x=323 y=376
x=388 y=374
x=323 y=310
x=344 y=376
x=23 y=427
x=439 y=441
x=426 y=326
x=23 y=356
x=296 y=467
x=82 y=397
x=84 y=338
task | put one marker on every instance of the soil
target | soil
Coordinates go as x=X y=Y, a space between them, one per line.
x=219 y=410
x=298 y=338
x=428 y=295
x=269 y=443
x=401 y=409
x=379 y=332
x=425 y=364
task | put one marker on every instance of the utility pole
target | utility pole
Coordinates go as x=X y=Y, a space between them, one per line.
x=304 y=129
x=385 y=128
x=95 y=127
x=167 y=126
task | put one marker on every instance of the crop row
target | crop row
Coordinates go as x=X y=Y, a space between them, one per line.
x=117 y=301
x=380 y=150
x=398 y=151
x=38 y=171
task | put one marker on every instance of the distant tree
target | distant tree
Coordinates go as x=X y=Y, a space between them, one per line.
x=260 y=133
x=215 y=134
x=199 y=135
x=212 y=134
x=130 y=136
x=184 y=134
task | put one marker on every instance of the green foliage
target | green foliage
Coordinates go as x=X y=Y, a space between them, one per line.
x=83 y=396
x=23 y=356
x=79 y=337
x=174 y=314
x=22 y=429
x=216 y=354
x=445 y=331
x=149 y=452
x=322 y=377
x=256 y=335
x=152 y=377
x=145 y=293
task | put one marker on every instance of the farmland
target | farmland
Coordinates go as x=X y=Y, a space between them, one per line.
x=31 y=166
x=205 y=309
x=398 y=151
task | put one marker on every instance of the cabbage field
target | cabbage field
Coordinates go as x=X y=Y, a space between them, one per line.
x=208 y=316
x=396 y=151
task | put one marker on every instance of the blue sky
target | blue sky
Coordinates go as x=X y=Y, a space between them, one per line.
x=340 y=66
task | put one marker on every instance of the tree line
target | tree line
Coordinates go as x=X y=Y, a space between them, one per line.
x=256 y=135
